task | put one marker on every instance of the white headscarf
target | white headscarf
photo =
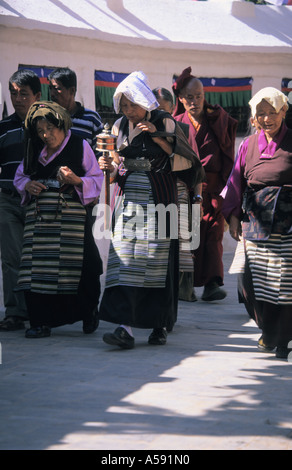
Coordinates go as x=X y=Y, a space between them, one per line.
x=274 y=97
x=135 y=88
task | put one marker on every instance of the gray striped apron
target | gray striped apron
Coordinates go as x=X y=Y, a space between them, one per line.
x=139 y=260
x=52 y=255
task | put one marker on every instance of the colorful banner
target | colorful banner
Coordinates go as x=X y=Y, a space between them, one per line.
x=108 y=79
x=227 y=92
x=105 y=86
x=42 y=72
x=227 y=84
x=286 y=85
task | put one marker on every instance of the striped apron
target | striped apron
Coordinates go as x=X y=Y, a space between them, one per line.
x=270 y=264
x=135 y=259
x=53 y=245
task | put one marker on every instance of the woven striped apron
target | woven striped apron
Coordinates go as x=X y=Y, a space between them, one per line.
x=137 y=261
x=270 y=263
x=53 y=244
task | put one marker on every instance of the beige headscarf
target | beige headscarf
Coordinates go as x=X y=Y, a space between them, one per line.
x=52 y=111
x=44 y=109
x=135 y=88
x=274 y=97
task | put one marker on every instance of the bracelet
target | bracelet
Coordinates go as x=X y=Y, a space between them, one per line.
x=198 y=199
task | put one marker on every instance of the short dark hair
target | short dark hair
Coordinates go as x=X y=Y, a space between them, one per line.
x=163 y=94
x=26 y=77
x=64 y=75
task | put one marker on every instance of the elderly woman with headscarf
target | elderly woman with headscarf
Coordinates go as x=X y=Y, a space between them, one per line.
x=257 y=205
x=58 y=180
x=142 y=275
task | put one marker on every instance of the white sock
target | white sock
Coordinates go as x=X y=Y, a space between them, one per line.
x=128 y=330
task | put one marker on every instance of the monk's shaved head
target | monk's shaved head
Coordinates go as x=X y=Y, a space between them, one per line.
x=192 y=97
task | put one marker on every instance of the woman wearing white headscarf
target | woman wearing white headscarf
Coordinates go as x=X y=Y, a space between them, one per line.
x=142 y=274
x=257 y=205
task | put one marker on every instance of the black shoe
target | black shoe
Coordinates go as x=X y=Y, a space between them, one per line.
x=158 y=336
x=12 y=324
x=38 y=332
x=90 y=325
x=282 y=352
x=213 y=292
x=120 y=337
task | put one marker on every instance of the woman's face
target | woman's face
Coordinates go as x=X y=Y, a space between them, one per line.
x=268 y=119
x=51 y=135
x=165 y=105
x=132 y=111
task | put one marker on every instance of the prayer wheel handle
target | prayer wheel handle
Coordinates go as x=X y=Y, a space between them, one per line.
x=106 y=143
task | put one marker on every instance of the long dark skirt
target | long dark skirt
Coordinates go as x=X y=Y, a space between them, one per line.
x=144 y=307
x=70 y=302
x=208 y=264
x=54 y=310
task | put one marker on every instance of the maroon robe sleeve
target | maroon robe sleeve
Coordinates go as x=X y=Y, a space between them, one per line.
x=192 y=133
x=224 y=127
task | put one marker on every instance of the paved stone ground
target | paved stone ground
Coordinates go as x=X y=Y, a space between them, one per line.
x=208 y=388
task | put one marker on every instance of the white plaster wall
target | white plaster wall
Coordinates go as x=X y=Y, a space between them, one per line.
x=36 y=47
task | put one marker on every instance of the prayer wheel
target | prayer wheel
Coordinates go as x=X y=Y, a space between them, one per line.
x=106 y=143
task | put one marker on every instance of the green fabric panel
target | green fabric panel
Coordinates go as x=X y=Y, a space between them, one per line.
x=104 y=96
x=229 y=98
x=45 y=92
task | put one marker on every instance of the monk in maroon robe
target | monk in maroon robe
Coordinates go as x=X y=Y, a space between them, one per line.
x=213 y=131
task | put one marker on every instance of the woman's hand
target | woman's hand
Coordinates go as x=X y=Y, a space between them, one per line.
x=67 y=176
x=34 y=187
x=235 y=228
x=106 y=163
x=146 y=126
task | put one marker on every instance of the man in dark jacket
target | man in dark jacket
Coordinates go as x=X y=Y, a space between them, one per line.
x=25 y=89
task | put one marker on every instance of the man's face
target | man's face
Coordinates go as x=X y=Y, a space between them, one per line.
x=22 y=97
x=192 y=97
x=63 y=96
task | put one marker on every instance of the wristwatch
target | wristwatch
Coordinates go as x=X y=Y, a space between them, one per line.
x=197 y=199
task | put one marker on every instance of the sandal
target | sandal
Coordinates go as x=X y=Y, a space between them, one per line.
x=38 y=332
x=264 y=347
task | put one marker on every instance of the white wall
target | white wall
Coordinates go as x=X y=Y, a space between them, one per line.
x=83 y=55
